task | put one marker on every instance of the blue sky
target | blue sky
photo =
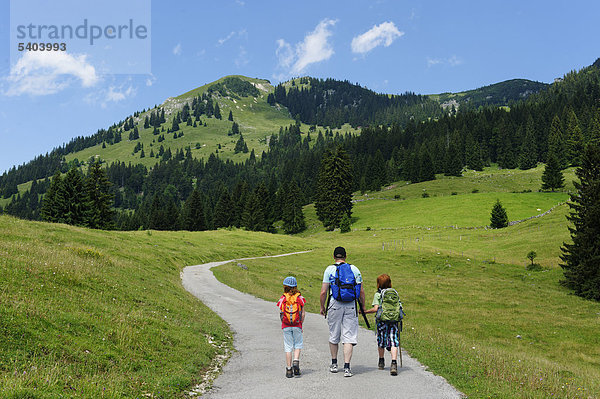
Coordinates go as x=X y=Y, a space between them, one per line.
x=389 y=46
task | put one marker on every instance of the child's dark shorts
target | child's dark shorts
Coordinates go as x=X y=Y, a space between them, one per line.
x=387 y=335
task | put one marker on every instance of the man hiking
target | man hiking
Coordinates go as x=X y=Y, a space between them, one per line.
x=341 y=289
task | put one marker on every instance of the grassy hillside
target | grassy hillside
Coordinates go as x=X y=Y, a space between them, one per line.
x=257 y=121
x=103 y=314
x=476 y=315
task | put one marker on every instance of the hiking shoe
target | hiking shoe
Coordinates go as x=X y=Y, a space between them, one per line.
x=347 y=373
x=394 y=369
x=381 y=364
x=289 y=373
x=296 y=369
x=333 y=368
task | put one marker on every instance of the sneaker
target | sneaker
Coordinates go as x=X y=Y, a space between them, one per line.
x=333 y=368
x=394 y=369
x=381 y=364
x=347 y=373
x=296 y=369
x=289 y=373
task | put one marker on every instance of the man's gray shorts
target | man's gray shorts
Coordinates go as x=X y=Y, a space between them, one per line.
x=343 y=322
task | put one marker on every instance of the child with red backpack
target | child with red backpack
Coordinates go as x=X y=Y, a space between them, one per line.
x=291 y=311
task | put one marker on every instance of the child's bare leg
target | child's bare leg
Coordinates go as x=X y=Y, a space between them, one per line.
x=296 y=354
x=381 y=351
x=288 y=359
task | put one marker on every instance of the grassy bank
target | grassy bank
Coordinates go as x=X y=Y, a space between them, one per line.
x=464 y=316
x=87 y=313
x=476 y=315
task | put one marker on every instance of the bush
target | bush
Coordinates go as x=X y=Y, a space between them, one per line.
x=454 y=193
x=475 y=191
x=534 y=267
x=425 y=195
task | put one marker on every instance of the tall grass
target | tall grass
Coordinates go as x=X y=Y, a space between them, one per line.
x=91 y=314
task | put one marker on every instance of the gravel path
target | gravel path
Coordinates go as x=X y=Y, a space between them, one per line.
x=257 y=369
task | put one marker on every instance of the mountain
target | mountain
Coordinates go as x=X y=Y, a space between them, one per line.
x=498 y=94
x=155 y=158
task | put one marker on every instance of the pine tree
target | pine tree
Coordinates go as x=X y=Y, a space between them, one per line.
x=574 y=139
x=426 y=170
x=223 y=208
x=528 y=155
x=556 y=143
x=193 y=212
x=230 y=117
x=345 y=224
x=217 y=111
x=53 y=203
x=175 y=124
x=253 y=217
x=552 y=178
x=240 y=145
x=581 y=259
x=334 y=188
x=98 y=199
x=473 y=153
x=74 y=197
x=292 y=215
x=499 y=218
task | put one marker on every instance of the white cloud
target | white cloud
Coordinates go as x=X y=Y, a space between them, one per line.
x=177 y=49
x=285 y=54
x=242 y=58
x=150 y=80
x=226 y=38
x=383 y=34
x=115 y=94
x=43 y=73
x=433 y=61
x=452 y=61
x=315 y=47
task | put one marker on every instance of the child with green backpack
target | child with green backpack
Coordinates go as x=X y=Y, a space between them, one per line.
x=388 y=315
x=291 y=312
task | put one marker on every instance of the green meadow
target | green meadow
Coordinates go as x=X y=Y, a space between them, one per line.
x=256 y=118
x=88 y=313
x=475 y=314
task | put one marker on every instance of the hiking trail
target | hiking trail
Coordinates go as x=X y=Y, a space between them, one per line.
x=257 y=369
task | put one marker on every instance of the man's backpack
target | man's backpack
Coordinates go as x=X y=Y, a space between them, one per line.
x=291 y=310
x=343 y=284
x=390 y=310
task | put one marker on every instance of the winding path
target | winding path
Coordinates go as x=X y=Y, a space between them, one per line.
x=257 y=369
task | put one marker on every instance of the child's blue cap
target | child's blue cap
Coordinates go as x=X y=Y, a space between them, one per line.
x=290 y=281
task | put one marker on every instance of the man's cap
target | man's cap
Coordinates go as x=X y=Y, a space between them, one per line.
x=339 y=252
x=290 y=281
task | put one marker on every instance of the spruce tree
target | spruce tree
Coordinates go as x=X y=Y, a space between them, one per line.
x=552 y=178
x=175 y=124
x=345 y=224
x=581 y=259
x=193 y=212
x=253 y=217
x=98 y=199
x=53 y=202
x=528 y=155
x=499 y=218
x=223 y=208
x=426 y=169
x=240 y=145
x=473 y=153
x=574 y=139
x=334 y=188
x=230 y=117
x=557 y=144
x=217 y=111
x=74 y=192
x=292 y=215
